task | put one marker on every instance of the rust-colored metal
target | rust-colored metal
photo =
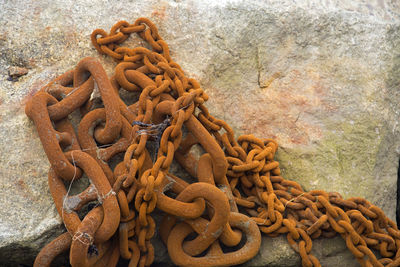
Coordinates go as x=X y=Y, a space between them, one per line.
x=51 y=250
x=215 y=256
x=231 y=173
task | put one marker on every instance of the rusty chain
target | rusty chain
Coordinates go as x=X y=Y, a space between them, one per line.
x=234 y=175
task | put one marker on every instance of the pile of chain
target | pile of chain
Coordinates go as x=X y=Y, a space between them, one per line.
x=202 y=225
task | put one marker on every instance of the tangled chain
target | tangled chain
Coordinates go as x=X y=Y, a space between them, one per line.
x=202 y=225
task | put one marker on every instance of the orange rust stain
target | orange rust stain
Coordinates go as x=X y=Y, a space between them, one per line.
x=36 y=12
x=287 y=106
x=21 y=185
x=160 y=12
x=31 y=62
x=296 y=140
x=25 y=190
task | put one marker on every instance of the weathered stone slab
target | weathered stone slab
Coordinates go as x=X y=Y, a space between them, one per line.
x=321 y=77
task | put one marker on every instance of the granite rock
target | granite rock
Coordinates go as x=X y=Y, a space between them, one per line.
x=321 y=77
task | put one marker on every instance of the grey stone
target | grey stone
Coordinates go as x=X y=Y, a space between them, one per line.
x=321 y=77
x=277 y=252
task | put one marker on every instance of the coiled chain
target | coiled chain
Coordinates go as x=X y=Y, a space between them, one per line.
x=215 y=221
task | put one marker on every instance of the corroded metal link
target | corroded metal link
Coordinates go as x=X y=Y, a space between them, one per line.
x=84 y=237
x=58 y=191
x=208 y=143
x=111 y=255
x=136 y=77
x=204 y=174
x=77 y=202
x=113 y=123
x=60 y=86
x=179 y=208
x=70 y=98
x=215 y=257
x=220 y=204
x=36 y=109
x=102 y=155
x=51 y=250
x=105 y=197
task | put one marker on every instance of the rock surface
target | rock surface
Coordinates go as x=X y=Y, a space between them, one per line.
x=321 y=77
